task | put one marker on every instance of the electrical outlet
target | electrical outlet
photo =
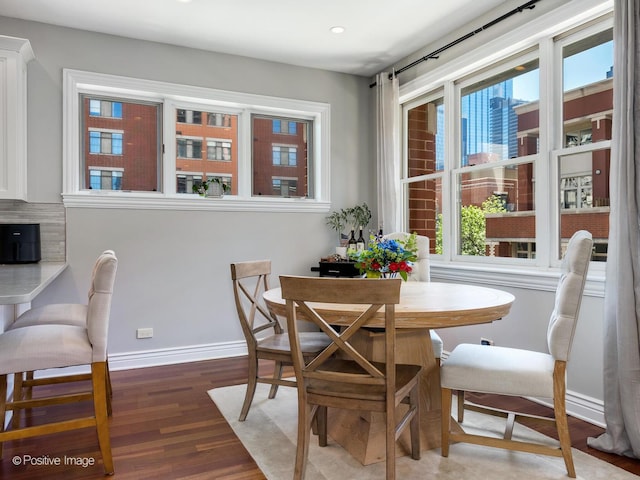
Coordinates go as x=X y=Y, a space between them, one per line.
x=144 y=333
x=486 y=341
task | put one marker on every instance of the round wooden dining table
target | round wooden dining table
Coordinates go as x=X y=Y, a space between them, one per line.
x=423 y=306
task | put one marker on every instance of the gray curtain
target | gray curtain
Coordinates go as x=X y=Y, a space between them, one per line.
x=622 y=289
x=387 y=152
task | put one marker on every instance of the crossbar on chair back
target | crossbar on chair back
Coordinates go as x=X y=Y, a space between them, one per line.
x=340 y=376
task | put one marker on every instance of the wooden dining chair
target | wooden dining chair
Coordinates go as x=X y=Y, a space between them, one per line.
x=340 y=377
x=517 y=372
x=262 y=331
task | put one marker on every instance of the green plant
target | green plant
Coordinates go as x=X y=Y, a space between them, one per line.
x=202 y=187
x=353 y=217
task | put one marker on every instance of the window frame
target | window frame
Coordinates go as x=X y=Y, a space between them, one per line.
x=540 y=35
x=175 y=96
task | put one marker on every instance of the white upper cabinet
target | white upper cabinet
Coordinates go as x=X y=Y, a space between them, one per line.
x=15 y=53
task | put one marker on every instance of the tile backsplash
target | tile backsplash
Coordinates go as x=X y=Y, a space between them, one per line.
x=52 y=220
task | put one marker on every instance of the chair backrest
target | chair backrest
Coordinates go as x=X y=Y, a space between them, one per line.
x=99 y=306
x=304 y=298
x=250 y=281
x=562 y=324
x=421 y=267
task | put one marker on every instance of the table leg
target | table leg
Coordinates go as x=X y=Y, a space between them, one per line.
x=362 y=433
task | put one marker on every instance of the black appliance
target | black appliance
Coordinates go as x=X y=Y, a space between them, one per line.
x=337 y=269
x=19 y=243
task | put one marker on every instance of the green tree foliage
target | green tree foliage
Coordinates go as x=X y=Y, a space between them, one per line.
x=472 y=226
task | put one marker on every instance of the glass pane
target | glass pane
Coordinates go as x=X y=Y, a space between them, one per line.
x=425 y=211
x=588 y=89
x=497 y=212
x=206 y=135
x=126 y=139
x=584 y=197
x=425 y=136
x=280 y=156
x=499 y=116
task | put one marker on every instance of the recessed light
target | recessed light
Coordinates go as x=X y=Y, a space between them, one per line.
x=337 y=29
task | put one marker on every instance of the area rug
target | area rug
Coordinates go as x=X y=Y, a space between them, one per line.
x=269 y=434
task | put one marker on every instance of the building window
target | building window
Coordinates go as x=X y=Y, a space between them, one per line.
x=107 y=143
x=218 y=150
x=284 y=155
x=186 y=182
x=189 y=116
x=105 y=179
x=476 y=174
x=287 y=127
x=218 y=120
x=165 y=131
x=285 y=187
x=189 y=148
x=105 y=108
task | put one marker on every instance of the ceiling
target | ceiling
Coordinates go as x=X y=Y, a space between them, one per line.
x=377 y=33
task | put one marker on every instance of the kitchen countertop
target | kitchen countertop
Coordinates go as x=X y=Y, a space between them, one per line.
x=21 y=283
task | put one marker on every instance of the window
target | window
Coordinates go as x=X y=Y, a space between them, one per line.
x=105 y=179
x=218 y=120
x=283 y=155
x=218 y=150
x=189 y=148
x=281 y=170
x=105 y=108
x=492 y=152
x=108 y=143
x=164 y=138
x=187 y=181
x=189 y=116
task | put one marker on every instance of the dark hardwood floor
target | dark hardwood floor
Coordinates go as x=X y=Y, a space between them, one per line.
x=164 y=426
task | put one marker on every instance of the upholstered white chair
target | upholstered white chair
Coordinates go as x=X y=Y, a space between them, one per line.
x=74 y=314
x=421 y=273
x=517 y=372
x=42 y=347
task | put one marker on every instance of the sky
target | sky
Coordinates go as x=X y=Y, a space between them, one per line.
x=580 y=69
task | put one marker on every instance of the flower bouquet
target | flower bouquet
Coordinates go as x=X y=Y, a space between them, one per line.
x=387 y=258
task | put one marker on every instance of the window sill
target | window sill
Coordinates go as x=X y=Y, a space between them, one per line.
x=517 y=277
x=158 y=201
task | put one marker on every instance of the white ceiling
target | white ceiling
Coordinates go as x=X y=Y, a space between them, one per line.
x=378 y=32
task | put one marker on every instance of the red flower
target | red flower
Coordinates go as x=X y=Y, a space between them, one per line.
x=393 y=266
x=375 y=266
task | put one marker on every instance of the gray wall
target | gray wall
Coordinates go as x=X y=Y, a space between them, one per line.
x=174 y=265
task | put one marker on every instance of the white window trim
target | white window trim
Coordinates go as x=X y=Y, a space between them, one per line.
x=543 y=272
x=174 y=96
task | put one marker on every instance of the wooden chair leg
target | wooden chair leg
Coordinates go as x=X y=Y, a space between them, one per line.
x=3 y=405
x=445 y=421
x=305 y=417
x=321 y=423
x=251 y=386
x=99 y=383
x=390 y=431
x=560 y=413
x=18 y=391
x=460 y=395
x=277 y=375
x=414 y=426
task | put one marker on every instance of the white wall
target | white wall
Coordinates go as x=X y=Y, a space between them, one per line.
x=173 y=273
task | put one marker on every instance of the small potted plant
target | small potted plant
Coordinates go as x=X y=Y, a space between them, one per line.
x=218 y=188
